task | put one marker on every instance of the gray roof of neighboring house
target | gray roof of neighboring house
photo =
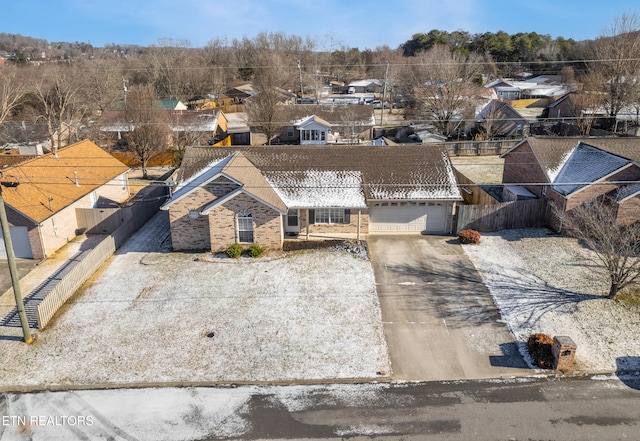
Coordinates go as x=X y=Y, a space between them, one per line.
x=626 y=191
x=553 y=153
x=584 y=166
x=327 y=175
x=334 y=115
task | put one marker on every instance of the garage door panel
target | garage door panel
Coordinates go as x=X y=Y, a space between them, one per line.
x=411 y=218
x=20 y=241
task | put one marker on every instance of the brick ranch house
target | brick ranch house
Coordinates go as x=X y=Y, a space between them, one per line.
x=41 y=209
x=265 y=194
x=569 y=172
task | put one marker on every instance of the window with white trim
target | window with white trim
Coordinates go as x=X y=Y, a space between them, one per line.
x=245 y=227
x=331 y=216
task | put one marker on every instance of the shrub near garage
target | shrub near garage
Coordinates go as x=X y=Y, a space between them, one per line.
x=469 y=237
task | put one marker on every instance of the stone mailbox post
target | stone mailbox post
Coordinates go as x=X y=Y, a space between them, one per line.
x=564 y=353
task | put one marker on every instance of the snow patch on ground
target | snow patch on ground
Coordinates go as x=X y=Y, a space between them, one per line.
x=547 y=283
x=153 y=316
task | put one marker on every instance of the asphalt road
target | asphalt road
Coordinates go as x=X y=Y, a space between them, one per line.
x=523 y=410
x=439 y=319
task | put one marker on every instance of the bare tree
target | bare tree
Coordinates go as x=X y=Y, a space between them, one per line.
x=148 y=131
x=616 y=246
x=271 y=78
x=59 y=92
x=186 y=132
x=12 y=89
x=104 y=83
x=441 y=83
x=616 y=61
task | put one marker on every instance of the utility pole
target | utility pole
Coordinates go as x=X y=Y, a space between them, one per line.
x=26 y=332
x=124 y=90
x=384 y=96
x=300 y=74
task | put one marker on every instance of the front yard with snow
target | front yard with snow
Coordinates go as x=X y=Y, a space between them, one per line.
x=546 y=283
x=157 y=316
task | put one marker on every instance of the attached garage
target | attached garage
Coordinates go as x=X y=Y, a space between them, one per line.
x=20 y=241
x=408 y=217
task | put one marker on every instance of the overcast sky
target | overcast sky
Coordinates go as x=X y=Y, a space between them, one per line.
x=332 y=23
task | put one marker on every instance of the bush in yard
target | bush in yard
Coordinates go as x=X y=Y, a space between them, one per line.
x=540 y=348
x=469 y=236
x=234 y=251
x=255 y=250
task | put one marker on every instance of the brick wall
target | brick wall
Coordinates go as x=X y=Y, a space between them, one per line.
x=267 y=223
x=521 y=167
x=629 y=211
x=193 y=234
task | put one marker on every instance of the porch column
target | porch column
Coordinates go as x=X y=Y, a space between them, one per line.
x=359 y=222
x=308 y=222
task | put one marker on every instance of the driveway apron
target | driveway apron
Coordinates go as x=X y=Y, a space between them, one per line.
x=439 y=319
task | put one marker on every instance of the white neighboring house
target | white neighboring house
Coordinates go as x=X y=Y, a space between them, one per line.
x=313 y=130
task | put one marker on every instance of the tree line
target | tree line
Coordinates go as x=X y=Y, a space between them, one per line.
x=63 y=91
x=500 y=46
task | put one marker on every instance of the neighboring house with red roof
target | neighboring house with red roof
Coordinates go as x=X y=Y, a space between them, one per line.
x=41 y=209
x=264 y=194
x=572 y=171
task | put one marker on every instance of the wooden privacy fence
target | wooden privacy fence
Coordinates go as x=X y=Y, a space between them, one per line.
x=478 y=148
x=517 y=214
x=136 y=216
x=108 y=220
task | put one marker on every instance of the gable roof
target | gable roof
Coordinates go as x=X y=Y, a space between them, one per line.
x=337 y=176
x=312 y=120
x=171 y=105
x=179 y=120
x=585 y=165
x=50 y=183
x=552 y=153
x=236 y=168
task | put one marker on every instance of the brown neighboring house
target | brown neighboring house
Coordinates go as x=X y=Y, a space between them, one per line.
x=42 y=208
x=264 y=194
x=572 y=171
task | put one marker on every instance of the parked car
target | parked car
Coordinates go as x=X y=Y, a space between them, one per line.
x=377 y=104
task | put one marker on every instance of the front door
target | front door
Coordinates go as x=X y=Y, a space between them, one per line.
x=292 y=224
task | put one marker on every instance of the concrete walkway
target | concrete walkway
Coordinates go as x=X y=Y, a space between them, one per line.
x=439 y=319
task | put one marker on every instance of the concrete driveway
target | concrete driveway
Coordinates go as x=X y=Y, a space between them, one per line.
x=439 y=319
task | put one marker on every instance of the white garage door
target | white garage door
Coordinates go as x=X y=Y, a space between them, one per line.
x=20 y=241
x=406 y=217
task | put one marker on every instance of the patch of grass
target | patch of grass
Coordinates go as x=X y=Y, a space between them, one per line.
x=630 y=296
